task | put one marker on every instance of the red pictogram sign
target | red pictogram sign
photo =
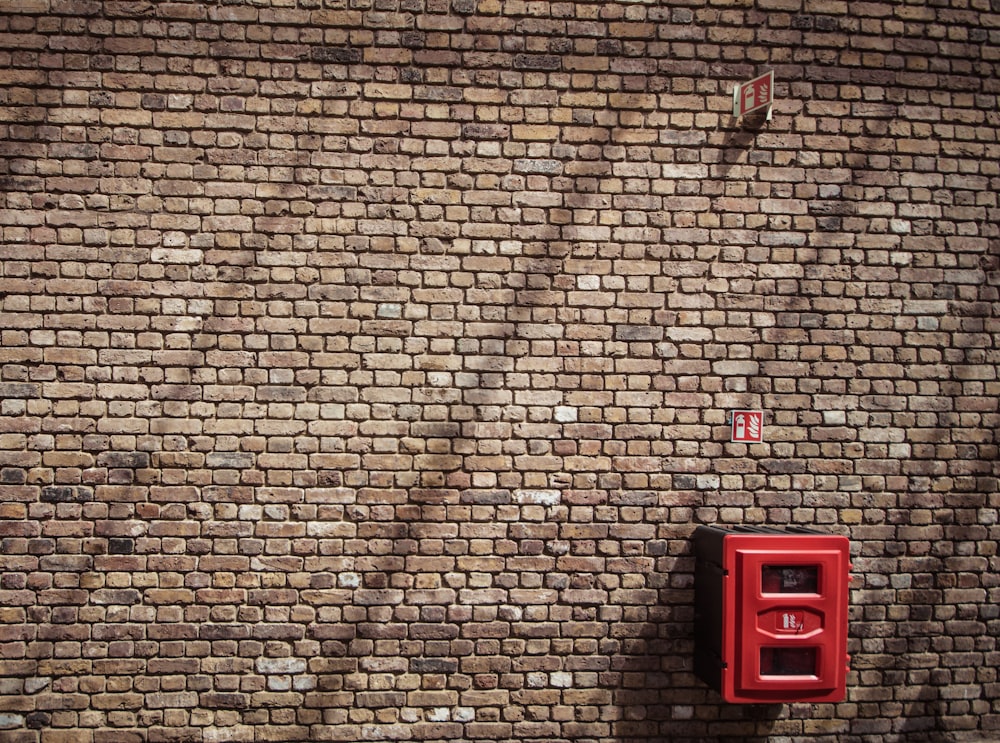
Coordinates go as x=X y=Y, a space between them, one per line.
x=753 y=95
x=748 y=426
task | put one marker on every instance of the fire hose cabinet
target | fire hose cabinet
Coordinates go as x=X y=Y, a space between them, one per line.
x=771 y=613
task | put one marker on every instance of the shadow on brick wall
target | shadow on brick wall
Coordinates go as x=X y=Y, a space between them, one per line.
x=658 y=697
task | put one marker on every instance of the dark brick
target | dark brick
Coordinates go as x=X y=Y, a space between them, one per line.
x=549 y=62
x=335 y=54
x=67 y=494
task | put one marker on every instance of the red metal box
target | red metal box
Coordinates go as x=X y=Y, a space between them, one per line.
x=771 y=613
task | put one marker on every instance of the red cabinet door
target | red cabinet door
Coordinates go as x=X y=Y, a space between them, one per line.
x=786 y=615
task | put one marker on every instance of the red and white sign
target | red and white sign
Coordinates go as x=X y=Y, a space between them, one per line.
x=748 y=426
x=754 y=95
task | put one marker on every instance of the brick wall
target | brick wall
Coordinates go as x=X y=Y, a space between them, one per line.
x=365 y=363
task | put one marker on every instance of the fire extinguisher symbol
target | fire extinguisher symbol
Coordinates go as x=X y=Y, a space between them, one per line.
x=748 y=426
x=791 y=621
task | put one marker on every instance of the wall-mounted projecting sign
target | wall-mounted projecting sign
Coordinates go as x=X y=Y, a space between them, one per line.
x=747 y=427
x=754 y=95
